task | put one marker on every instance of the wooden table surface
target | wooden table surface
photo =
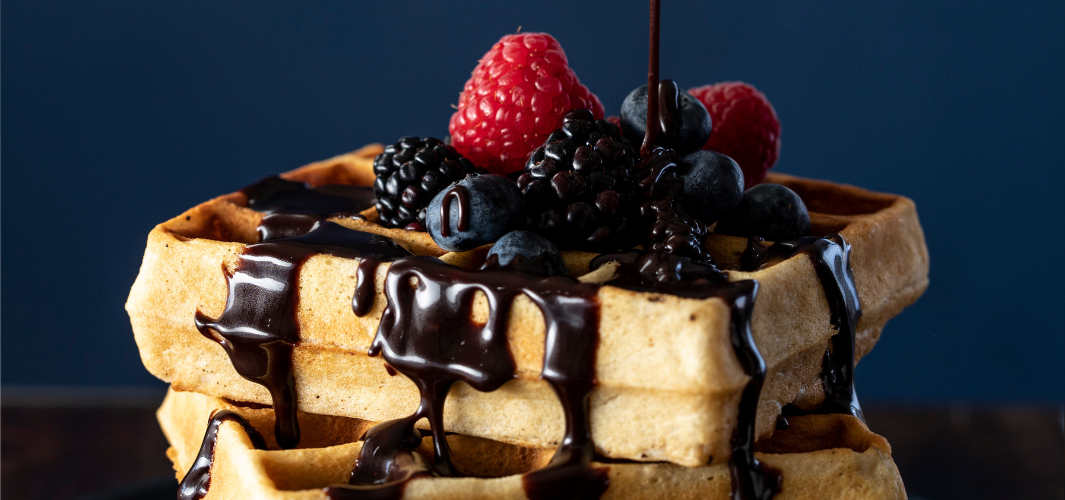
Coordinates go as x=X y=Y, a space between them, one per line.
x=66 y=451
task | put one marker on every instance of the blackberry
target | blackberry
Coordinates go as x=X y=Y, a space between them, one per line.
x=409 y=174
x=578 y=186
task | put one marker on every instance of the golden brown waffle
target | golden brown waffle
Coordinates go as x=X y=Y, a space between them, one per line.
x=669 y=381
x=819 y=456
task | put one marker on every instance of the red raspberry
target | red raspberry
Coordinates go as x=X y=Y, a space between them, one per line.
x=514 y=100
x=746 y=127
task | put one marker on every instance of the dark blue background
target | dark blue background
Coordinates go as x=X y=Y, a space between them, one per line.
x=119 y=115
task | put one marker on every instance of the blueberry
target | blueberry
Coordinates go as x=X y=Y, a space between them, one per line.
x=529 y=252
x=713 y=185
x=694 y=124
x=770 y=211
x=494 y=207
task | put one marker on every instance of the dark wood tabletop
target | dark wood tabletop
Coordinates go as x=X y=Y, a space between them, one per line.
x=62 y=449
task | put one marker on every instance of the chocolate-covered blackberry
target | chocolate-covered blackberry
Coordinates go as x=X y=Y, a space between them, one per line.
x=409 y=174
x=578 y=186
x=665 y=225
x=671 y=230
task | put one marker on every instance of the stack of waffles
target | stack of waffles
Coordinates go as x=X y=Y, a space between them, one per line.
x=316 y=353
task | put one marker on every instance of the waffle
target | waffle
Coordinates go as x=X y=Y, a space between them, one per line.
x=819 y=456
x=669 y=382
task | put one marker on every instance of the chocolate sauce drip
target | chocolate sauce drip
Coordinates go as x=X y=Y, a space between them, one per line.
x=831 y=259
x=363 y=298
x=293 y=208
x=388 y=452
x=669 y=273
x=259 y=328
x=428 y=334
x=463 y=197
x=198 y=479
x=571 y=313
x=274 y=194
x=651 y=134
x=750 y=480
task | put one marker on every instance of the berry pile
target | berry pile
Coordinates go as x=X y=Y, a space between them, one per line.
x=514 y=99
x=584 y=186
x=409 y=174
x=578 y=186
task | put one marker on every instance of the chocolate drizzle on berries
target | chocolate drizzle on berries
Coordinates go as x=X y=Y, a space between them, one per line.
x=668 y=109
x=198 y=479
x=462 y=198
x=259 y=328
x=831 y=259
x=427 y=333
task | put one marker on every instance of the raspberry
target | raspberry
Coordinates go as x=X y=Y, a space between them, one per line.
x=746 y=127
x=517 y=95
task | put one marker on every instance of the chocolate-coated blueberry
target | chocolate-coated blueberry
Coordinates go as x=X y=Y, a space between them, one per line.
x=694 y=121
x=713 y=185
x=770 y=211
x=494 y=207
x=526 y=251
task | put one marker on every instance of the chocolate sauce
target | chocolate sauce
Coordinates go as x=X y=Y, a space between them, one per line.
x=363 y=298
x=663 y=96
x=276 y=195
x=651 y=133
x=571 y=313
x=279 y=226
x=198 y=479
x=831 y=259
x=460 y=194
x=259 y=328
x=659 y=173
x=668 y=112
x=676 y=275
x=388 y=452
x=428 y=334
x=294 y=208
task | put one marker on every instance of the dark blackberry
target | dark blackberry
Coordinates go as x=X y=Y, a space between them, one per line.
x=409 y=174
x=578 y=186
